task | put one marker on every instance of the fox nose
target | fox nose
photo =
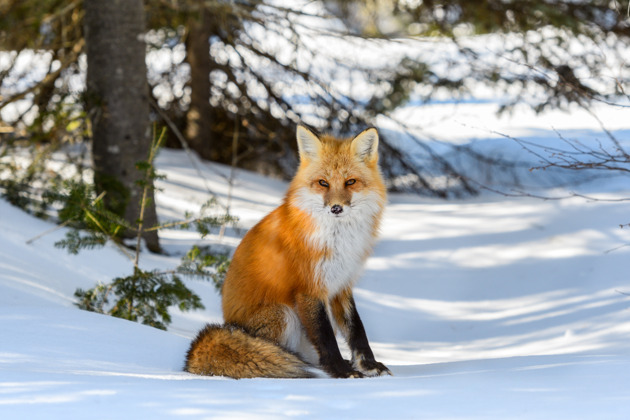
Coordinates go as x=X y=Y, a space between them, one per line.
x=336 y=209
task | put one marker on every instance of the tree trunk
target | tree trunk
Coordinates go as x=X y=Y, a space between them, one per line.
x=117 y=100
x=198 y=124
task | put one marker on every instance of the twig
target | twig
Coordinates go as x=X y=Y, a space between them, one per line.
x=54 y=229
x=608 y=251
x=186 y=147
x=100 y=226
x=62 y=225
x=50 y=76
x=232 y=172
x=173 y=224
x=145 y=191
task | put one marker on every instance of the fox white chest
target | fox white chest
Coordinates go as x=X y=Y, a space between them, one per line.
x=347 y=244
x=347 y=241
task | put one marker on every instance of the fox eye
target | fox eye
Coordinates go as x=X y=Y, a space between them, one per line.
x=350 y=182
x=323 y=183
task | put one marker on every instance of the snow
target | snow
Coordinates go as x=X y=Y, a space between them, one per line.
x=491 y=307
x=486 y=308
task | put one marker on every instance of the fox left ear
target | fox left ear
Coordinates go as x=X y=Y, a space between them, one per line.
x=365 y=145
x=309 y=145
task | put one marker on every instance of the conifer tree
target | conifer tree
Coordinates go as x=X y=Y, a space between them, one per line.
x=249 y=98
x=118 y=105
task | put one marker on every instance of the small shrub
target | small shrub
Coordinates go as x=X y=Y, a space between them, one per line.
x=143 y=296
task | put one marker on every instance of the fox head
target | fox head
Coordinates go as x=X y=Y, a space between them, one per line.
x=338 y=178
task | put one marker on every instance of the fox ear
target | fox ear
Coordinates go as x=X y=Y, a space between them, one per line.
x=365 y=145
x=309 y=145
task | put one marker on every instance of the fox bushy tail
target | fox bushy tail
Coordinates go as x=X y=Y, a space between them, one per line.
x=228 y=350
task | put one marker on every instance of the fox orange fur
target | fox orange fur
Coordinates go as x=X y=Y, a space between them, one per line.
x=289 y=285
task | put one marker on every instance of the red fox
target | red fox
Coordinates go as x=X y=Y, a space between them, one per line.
x=289 y=285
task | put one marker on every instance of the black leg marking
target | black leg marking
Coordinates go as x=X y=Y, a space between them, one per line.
x=319 y=330
x=362 y=355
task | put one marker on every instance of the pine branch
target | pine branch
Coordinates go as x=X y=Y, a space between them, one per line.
x=148 y=179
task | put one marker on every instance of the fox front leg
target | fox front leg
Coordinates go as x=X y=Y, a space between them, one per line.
x=347 y=317
x=319 y=330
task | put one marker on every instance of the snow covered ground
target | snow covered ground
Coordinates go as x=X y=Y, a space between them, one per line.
x=486 y=308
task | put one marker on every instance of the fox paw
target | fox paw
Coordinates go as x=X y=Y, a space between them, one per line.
x=355 y=374
x=350 y=373
x=345 y=370
x=373 y=368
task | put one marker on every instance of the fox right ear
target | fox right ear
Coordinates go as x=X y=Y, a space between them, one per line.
x=308 y=143
x=365 y=145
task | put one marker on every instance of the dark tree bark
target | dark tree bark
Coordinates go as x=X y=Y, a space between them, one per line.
x=118 y=105
x=198 y=122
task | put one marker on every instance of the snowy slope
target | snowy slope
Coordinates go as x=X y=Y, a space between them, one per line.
x=487 y=308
